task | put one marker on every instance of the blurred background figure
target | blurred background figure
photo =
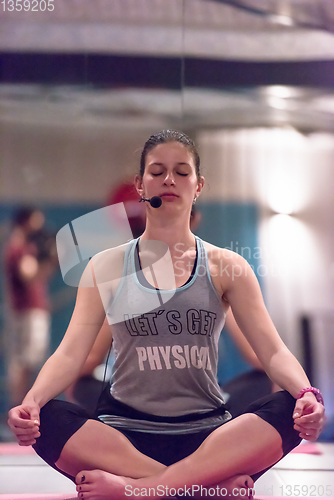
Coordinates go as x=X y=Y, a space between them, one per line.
x=29 y=259
x=126 y=193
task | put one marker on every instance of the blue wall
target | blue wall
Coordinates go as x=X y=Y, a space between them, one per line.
x=234 y=226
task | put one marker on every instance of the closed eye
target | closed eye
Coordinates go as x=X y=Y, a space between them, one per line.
x=160 y=173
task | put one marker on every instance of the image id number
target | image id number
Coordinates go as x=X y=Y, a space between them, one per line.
x=306 y=490
x=27 y=5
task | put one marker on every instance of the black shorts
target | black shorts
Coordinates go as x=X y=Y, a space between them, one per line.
x=59 y=420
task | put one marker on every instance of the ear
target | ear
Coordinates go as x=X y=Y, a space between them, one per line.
x=138 y=182
x=200 y=185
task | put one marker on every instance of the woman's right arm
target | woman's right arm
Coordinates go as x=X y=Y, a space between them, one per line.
x=63 y=367
x=96 y=356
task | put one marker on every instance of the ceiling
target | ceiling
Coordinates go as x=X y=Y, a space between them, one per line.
x=267 y=38
x=227 y=29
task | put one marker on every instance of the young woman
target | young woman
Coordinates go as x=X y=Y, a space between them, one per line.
x=162 y=426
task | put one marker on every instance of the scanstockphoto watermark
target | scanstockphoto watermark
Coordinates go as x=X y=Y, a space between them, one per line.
x=254 y=258
x=104 y=230
x=195 y=491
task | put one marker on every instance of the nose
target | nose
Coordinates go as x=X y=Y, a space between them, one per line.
x=169 y=179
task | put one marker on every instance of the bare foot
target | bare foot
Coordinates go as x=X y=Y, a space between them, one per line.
x=100 y=485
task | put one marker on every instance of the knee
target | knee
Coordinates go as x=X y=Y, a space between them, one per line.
x=59 y=420
x=252 y=420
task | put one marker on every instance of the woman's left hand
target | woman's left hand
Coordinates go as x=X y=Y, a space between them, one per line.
x=309 y=417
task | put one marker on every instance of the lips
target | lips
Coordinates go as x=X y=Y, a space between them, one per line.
x=168 y=195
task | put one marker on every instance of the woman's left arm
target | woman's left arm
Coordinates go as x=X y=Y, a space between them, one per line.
x=242 y=292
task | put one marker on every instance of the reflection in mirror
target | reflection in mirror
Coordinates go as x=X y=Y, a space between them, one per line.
x=83 y=87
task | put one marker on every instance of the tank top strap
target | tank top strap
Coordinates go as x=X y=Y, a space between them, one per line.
x=201 y=270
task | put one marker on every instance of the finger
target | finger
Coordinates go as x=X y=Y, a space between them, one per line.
x=25 y=439
x=34 y=415
x=18 y=414
x=309 y=432
x=33 y=435
x=28 y=437
x=307 y=407
x=314 y=418
x=25 y=430
x=26 y=413
x=308 y=421
x=308 y=425
x=308 y=437
x=21 y=422
x=28 y=442
x=298 y=410
x=309 y=428
x=315 y=413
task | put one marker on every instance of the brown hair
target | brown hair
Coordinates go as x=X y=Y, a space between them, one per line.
x=164 y=137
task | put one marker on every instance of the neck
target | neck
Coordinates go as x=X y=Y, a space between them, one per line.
x=171 y=232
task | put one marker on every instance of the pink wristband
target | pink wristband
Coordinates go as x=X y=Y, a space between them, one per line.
x=315 y=391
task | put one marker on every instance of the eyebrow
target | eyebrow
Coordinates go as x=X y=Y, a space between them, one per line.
x=162 y=164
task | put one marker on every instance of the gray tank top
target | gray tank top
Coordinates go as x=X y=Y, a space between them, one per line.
x=166 y=358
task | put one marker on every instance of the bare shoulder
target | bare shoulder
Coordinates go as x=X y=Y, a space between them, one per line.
x=111 y=257
x=226 y=267
x=218 y=255
x=99 y=282
x=107 y=267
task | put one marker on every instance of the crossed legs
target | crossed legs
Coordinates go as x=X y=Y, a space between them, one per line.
x=108 y=466
x=97 y=446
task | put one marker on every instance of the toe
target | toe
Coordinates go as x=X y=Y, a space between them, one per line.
x=80 y=478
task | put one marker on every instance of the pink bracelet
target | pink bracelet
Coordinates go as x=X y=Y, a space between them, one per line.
x=315 y=391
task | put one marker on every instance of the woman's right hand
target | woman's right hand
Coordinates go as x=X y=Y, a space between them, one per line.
x=24 y=423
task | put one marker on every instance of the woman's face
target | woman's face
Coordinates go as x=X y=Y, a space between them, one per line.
x=170 y=173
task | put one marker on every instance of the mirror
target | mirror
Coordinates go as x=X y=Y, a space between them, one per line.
x=83 y=87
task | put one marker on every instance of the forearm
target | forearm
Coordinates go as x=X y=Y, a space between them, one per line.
x=57 y=374
x=90 y=364
x=242 y=344
x=99 y=350
x=285 y=370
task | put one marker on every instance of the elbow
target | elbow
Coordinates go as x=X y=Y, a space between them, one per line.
x=255 y=362
x=90 y=364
